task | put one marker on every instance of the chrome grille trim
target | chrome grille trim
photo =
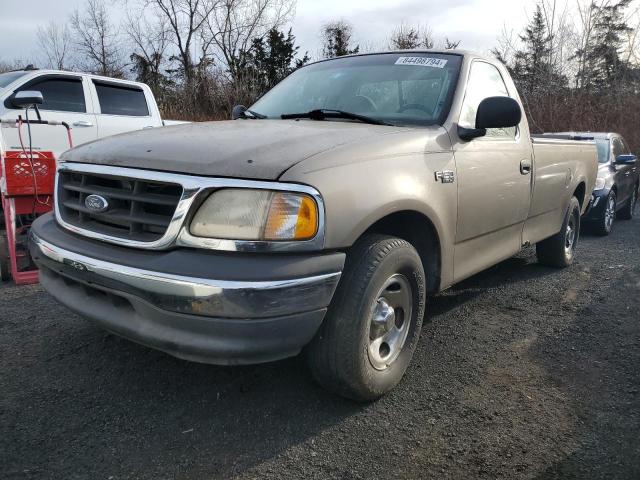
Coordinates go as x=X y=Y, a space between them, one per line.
x=139 y=209
x=194 y=188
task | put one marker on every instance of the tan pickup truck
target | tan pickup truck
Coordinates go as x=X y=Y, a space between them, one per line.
x=319 y=220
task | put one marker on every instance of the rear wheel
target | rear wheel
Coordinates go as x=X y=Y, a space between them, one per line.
x=559 y=250
x=605 y=222
x=373 y=325
x=5 y=273
x=629 y=209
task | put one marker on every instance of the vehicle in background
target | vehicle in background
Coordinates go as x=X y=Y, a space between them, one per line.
x=93 y=106
x=320 y=219
x=615 y=194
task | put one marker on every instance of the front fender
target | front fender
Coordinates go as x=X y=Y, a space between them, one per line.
x=359 y=193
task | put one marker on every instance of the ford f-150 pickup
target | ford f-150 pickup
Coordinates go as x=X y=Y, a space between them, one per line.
x=319 y=220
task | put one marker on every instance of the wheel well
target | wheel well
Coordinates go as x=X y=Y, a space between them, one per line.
x=579 y=193
x=419 y=231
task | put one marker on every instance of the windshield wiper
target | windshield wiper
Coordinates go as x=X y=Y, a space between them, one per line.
x=324 y=113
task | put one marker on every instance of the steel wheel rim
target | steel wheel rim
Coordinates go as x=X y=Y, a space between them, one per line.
x=610 y=213
x=570 y=235
x=390 y=322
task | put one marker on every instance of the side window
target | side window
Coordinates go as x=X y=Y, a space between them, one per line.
x=60 y=94
x=121 y=100
x=617 y=146
x=484 y=81
x=627 y=150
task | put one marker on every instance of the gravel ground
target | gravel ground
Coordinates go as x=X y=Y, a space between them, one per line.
x=522 y=372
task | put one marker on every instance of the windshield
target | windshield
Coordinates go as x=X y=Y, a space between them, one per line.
x=400 y=89
x=603 y=150
x=9 y=77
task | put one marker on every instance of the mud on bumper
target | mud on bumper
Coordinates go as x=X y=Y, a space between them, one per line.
x=216 y=318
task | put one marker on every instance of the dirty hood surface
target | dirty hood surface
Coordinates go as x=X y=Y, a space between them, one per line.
x=254 y=149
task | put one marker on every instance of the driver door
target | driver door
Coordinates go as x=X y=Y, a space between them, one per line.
x=494 y=181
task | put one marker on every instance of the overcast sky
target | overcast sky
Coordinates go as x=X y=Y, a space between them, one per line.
x=477 y=23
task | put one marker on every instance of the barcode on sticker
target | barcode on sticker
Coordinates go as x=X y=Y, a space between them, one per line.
x=422 y=61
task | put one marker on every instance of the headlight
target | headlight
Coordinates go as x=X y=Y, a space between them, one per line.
x=599 y=184
x=255 y=215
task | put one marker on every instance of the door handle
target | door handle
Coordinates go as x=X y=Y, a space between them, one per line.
x=82 y=123
x=525 y=167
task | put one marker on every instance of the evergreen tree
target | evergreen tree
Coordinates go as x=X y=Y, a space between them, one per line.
x=271 y=59
x=148 y=70
x=533 y=68
x=603 y=55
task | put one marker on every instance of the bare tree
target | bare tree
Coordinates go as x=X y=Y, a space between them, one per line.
x=451 y=44
x=97 y=39
x=185 y=20
x=405 y=37
x=632 y=47
x=560 y=30
x=234 y=24
x=337 y=39
x=588 y=13
x=409 y=37
x=7 y=66
x=55 y=42
x=506 y=47
x=428 y=40
x=150 y=39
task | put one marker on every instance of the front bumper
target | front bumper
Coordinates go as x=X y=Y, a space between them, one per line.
x=597 y=206
x=270 y=314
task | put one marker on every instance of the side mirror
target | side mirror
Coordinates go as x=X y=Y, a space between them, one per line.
x=493 y=112
x=498 y=112
x=27 y=98
x=238 y=112
x=629 y=159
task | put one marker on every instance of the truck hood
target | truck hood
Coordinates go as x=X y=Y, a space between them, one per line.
x=252 y=149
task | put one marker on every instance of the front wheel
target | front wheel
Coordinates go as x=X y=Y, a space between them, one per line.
x=559 y=250
x=373 y=324
x=604 y=224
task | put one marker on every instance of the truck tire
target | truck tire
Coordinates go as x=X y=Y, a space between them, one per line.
x=559 y=250
x=629 y=209
x=605 y=223
x=371 y=330
x=5 y=273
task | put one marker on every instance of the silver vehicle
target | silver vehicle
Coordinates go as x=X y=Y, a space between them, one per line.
x=320 y=219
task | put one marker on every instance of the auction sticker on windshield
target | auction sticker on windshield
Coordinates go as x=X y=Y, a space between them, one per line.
x=422 y=61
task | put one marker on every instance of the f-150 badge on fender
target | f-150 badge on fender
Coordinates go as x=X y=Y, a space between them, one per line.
x=446 y=176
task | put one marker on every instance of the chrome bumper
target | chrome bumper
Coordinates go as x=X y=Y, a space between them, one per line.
x=187 y=295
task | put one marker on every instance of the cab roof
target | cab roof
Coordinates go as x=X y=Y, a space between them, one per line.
x=459 y=52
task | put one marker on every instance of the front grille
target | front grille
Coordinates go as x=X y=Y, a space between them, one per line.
x=139 y=210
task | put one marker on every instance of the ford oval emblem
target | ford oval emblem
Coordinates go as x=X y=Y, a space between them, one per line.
x=96 y=203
